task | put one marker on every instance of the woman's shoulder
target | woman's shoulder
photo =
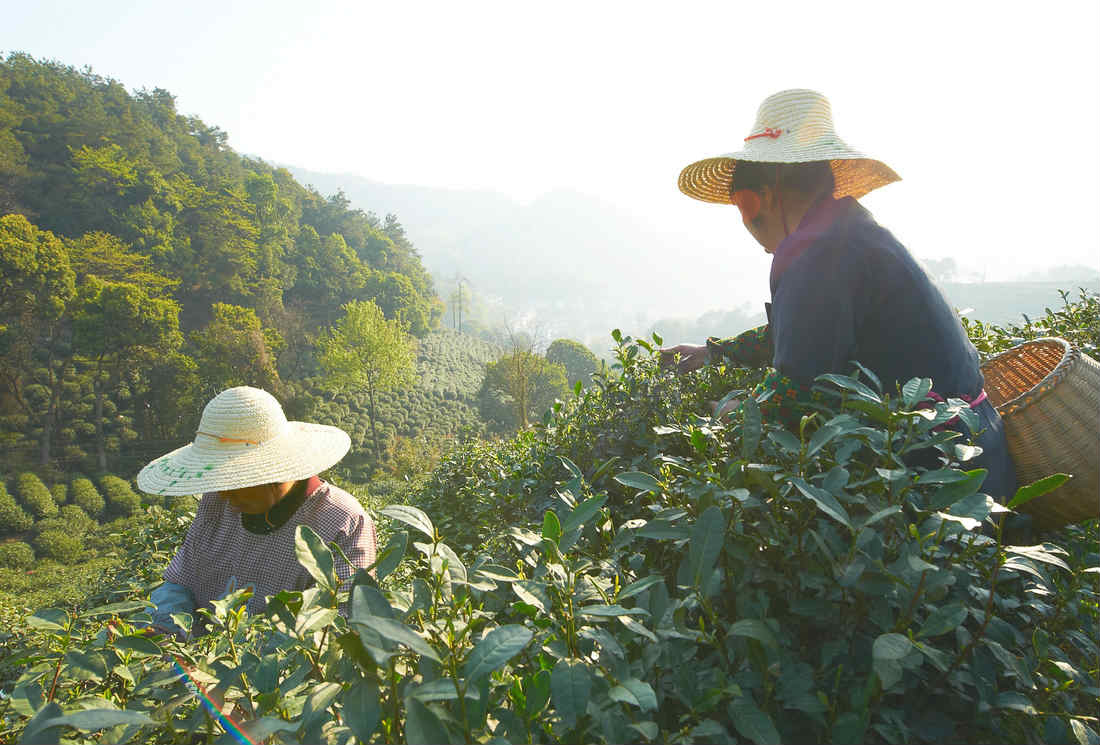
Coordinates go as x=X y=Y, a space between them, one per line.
x=335 y=505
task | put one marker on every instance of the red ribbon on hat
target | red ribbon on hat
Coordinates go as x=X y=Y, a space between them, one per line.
x=768 y=132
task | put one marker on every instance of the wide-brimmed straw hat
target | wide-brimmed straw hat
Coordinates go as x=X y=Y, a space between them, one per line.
x=244 y=439
x=794 y=126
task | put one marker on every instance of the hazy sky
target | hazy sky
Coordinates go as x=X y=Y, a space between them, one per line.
x=990 y=111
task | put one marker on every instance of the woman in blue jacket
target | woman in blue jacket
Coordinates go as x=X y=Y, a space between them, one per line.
x=842 y=287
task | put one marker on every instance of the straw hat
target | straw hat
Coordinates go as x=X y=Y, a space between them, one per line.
x=794 y=126
x=244 y=439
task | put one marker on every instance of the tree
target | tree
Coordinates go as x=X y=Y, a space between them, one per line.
x=235 y=349
x=116 y=325
x=36 y=285
x=522 y=382
x=578 y=360
x=364 y=350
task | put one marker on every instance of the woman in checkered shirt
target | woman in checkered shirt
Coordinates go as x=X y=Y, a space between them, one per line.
x=257 y=473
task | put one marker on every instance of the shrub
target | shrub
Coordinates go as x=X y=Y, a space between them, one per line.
x=35 y=495
x=122 y=501
x=59 y=545
x=16 y=555
x=70 y=519
x=182 y=503
x=13 y=518
x=60 y=493
x=87 y=497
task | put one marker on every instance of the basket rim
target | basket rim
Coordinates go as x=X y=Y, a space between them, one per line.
x=1070 y=355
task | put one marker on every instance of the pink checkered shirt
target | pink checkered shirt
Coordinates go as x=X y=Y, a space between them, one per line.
x=218 y=548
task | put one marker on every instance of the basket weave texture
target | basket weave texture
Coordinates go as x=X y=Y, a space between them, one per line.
x=1048 y=395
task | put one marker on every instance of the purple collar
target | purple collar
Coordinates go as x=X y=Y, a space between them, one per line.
x=814 y=223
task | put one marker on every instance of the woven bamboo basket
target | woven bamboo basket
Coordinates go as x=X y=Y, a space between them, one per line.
x=1048 y=395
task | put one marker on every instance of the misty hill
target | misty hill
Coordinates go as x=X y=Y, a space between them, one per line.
x=579 y=265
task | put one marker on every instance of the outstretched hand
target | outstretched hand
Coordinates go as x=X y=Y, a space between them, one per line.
x=684 y=357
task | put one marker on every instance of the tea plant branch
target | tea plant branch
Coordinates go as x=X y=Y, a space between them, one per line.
x=903 y=621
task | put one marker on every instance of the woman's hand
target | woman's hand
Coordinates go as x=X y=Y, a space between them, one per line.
x=685 y=357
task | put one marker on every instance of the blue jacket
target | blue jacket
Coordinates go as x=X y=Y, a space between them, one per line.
x=843 y=289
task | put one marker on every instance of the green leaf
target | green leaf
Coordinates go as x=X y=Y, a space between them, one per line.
x=495 y=649
x=90 y=665
x=260 y=729
x=392 y=554
x=943 y=620
x=699 y=441
x=1084 y=734
x=1040 y=553
x=1037 y=489
x=363 y=708
x=882 y=514
x=116 y=609
x=421 y=724
x=583 y=512
x=648 y=730
x=891 y=647
x=634 y=588
x=314 y=556
x=663 y=530
x=825 y=501
x=853 y=385
x=915 y=391
x=318 y=702
x=398 y=632
x=570 y=688
x=441 y=689
x=642 y=692
x=754 y=628
x=137 y=645
x=571 y=467
x=410 y=516
x=532 y=593
x=313 y=619
x=551 y=527
x=637 y=628
x=639 y=480
x=36 y=732
x=707 y=536
x=950 y=493
x=91 y=720
x=537 y=689
x=48 y=619
x=493 y=571
x=611 y=611
x=753 y=723
x=1017 y=701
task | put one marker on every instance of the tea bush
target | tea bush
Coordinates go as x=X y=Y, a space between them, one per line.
x=35 y=495
x=16 y=555
x=87 y=497
x=60 y=493
x=683 y=579
x=13 y=518
x=122 y=500
x=59 y=545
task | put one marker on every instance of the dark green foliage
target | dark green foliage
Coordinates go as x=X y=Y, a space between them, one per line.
x=59 y=545
x=35 y=496
x=122 y=500
x=87 y=497
x=1077 y=321
x=183 y=503
x=16 y=555
x=71 y=519
x=13 y=518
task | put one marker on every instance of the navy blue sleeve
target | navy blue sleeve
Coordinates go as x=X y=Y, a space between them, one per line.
x=815 y=314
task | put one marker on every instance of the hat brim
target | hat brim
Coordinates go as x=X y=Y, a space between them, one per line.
x=710 y=179
x=303 y=450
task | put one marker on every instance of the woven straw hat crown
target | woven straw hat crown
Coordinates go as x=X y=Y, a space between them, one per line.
x=793 y=126
x=244 y=439
x=242 y=413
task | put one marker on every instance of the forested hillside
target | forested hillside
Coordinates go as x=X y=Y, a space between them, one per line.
x=144 y=266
